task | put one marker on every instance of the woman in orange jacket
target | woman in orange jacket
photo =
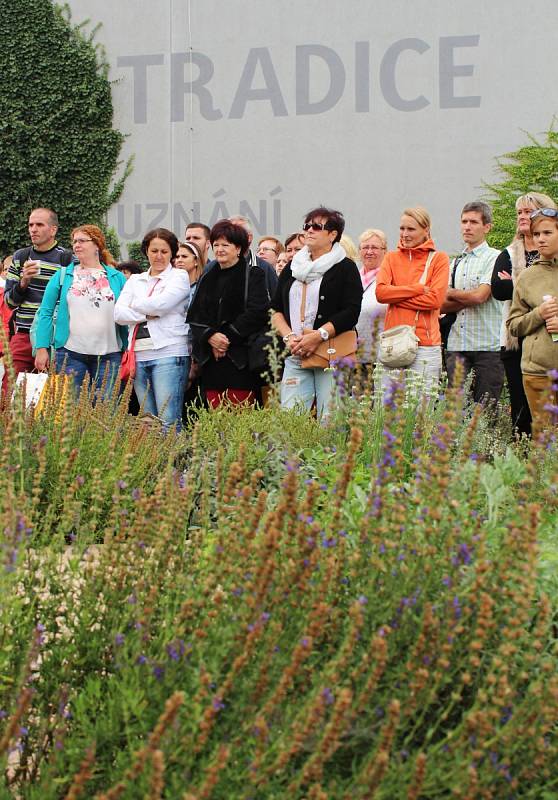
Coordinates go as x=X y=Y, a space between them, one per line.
x=412 y=298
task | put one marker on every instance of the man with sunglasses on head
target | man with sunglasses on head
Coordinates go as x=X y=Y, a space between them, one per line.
x=32 y=268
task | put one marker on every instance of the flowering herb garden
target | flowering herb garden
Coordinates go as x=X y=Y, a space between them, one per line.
x=265 y=607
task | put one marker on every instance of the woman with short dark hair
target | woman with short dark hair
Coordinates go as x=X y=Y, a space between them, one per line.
x=153 y=305
x=229 y=306
x=318 y=297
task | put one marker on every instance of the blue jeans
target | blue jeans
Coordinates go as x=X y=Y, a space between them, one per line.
x=160 y=386
x=95 y=368
x=301 y=386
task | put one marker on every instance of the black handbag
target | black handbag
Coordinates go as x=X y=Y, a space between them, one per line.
x=259 y=342
x=258 y=356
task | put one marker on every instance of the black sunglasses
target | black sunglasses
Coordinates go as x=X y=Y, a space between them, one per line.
x=314 y=226
x=546 y=212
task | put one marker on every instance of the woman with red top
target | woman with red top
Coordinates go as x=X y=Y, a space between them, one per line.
x=412 y=299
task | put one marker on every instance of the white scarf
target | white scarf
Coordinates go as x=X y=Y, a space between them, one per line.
x=306 y=270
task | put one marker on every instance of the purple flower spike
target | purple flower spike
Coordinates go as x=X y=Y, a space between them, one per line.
x=172 y=652
x=217 y=703
x=327 y=694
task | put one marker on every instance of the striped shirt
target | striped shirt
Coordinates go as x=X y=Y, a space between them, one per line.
x=27 y=301
x=477 y=327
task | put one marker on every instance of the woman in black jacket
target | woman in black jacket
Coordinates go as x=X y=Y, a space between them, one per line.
x=223 y=316
x=318 y=297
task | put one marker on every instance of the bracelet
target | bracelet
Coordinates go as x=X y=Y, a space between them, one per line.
x=287 y=337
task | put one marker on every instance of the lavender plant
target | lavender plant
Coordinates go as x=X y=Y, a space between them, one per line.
x=300 y=610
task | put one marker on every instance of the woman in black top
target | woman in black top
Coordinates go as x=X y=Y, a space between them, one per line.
x=511 y=262
x=318 y=297
x=223 y=316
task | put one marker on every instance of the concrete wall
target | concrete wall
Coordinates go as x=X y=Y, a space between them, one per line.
x=268 y=107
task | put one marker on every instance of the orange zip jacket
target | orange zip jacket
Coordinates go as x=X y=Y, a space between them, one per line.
x=398 y=285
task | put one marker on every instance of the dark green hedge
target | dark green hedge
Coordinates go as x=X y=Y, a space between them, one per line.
x=531 y=168
x=57 y=144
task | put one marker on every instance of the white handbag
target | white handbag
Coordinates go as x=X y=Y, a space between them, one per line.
x=399 y=345
x=33 y=383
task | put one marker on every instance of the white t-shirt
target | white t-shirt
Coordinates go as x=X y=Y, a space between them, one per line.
x=91 y=311
x=310 y=308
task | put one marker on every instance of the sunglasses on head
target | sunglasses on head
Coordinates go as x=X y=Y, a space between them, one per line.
x=546 y=212
x=314 y=226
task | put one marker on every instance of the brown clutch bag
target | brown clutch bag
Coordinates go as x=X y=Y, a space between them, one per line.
x=343 y=346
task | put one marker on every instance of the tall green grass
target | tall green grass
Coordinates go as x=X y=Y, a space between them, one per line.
x=278 y=608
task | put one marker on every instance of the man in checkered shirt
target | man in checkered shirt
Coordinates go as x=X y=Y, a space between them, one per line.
x=474 y=337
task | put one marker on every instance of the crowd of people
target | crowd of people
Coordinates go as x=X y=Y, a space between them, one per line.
x=194 y=327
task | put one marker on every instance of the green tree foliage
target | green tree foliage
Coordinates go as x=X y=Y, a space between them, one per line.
x=57 y=144
x=113 y=243
x=533 y=167
x=134 y=252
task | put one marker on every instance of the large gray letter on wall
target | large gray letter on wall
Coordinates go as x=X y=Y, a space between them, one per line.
x=180 y=87
x=139 y=66
x=387 y=75
x=449 y=71
x=362 y=76
x=336 y=78
x=271 y=91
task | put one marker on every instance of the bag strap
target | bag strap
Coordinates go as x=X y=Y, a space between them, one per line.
x=456 y=261
x=431 y=255
x=246 y=282
x=303 y=304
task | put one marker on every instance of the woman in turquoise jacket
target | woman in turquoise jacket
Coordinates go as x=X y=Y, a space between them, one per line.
x=87 y=343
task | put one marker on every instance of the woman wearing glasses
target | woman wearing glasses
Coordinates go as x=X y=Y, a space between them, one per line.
x=509 y=265
x=372 y=248
x=318 y=297
x=87 y=342
x=269 y=248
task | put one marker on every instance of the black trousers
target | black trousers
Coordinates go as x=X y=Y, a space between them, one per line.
x=488 y=377
x=520 y=414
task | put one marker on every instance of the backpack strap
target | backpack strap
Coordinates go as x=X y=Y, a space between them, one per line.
x=246 y=282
